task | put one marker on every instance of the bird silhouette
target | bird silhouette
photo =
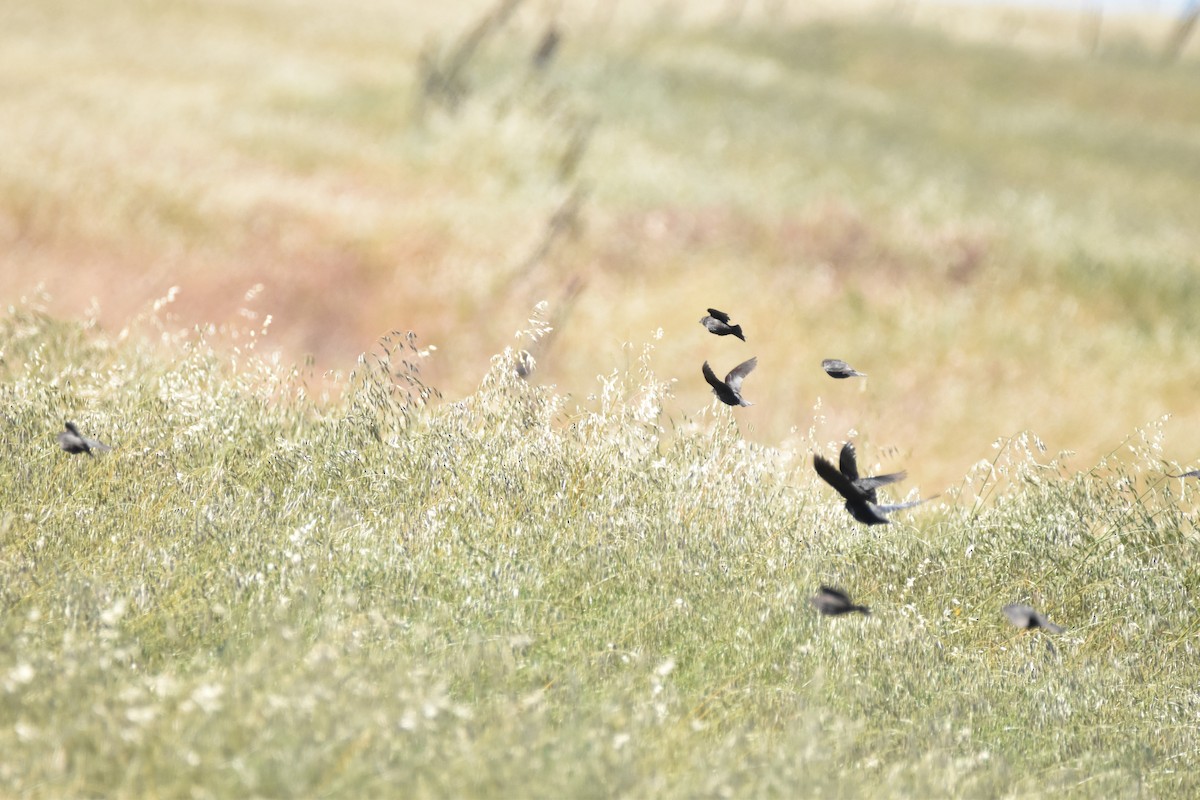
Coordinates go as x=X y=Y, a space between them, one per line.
x=74 y=442
x=729 y=391
x=835 y=602
x=718 y=322
x=861 y=494
x=1027 y=617
x=848 y=465
x=547 y=47
x=837 y=368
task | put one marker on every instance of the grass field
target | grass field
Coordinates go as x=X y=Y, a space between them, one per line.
x=259 y=595
x=416 y=574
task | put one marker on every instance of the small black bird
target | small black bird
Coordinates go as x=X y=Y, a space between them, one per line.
x=718 y=322
x=1193 y=474
x=861 y=493
x=837 y=368
x=1024 y=616
x=730 y=390
x=835 y=602
x=848 y=464
x=74 y=442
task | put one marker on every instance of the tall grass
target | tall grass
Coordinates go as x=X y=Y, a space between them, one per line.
x=972 y=207
x=264 y=593
x=556 y=568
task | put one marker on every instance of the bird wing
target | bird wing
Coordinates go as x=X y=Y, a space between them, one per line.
x=888 y=509
x=871 y=483
x=837 y=594
x=734 y=379
x=847 y=462
x=1049 y=626
x=96 y=444
x=831 y=475
x=1019 y=614
x=712 y=378
x=721 y=315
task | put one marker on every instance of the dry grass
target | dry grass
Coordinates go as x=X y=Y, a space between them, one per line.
x=283 y=582
x=993 y=225
x=256 y=594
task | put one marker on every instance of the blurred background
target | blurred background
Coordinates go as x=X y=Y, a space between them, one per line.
x=992 y=209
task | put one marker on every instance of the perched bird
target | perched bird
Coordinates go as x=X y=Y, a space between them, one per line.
x=861 y=493
x=718 y=322
x=729 y=391
x=837 y=368
x=1024 y=616
x=73 y=442
x=1193 y=474
x=835 y=602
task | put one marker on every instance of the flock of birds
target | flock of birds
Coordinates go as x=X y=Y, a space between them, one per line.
x=860 y=493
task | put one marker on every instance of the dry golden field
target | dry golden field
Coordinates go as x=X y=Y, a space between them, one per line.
x=992 y=218
x=330 y=581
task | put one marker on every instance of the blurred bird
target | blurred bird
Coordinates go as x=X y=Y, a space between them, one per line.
x=1193 y=474
x=1024 y=616
x=835 y=602
x=861 y=493
x=718 y=322
x=730 y=390
x=848 y=464
x=837 y=368
x=74 y=442
x=547 y=47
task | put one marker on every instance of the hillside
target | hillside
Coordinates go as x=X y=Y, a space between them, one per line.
x=260 y=594
x=985 y=223
x=342 y=548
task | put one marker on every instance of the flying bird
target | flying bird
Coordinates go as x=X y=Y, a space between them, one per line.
x=547 y=47
x=861 y=493
x=837 y=368
x=835 y=602
x=718 y=322
x=848 y=465
x=74 y=442
x=1024 y=616
x=729 y=391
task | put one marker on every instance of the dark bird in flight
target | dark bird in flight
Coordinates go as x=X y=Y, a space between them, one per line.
x=1024 y=616
x=1193 y=474
x=73 y=442
x=848 y=465
x=835 y=602
x=718 y=322
x=729 y=391
x=547 y=47
x=837 y=368
x=861 y=494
